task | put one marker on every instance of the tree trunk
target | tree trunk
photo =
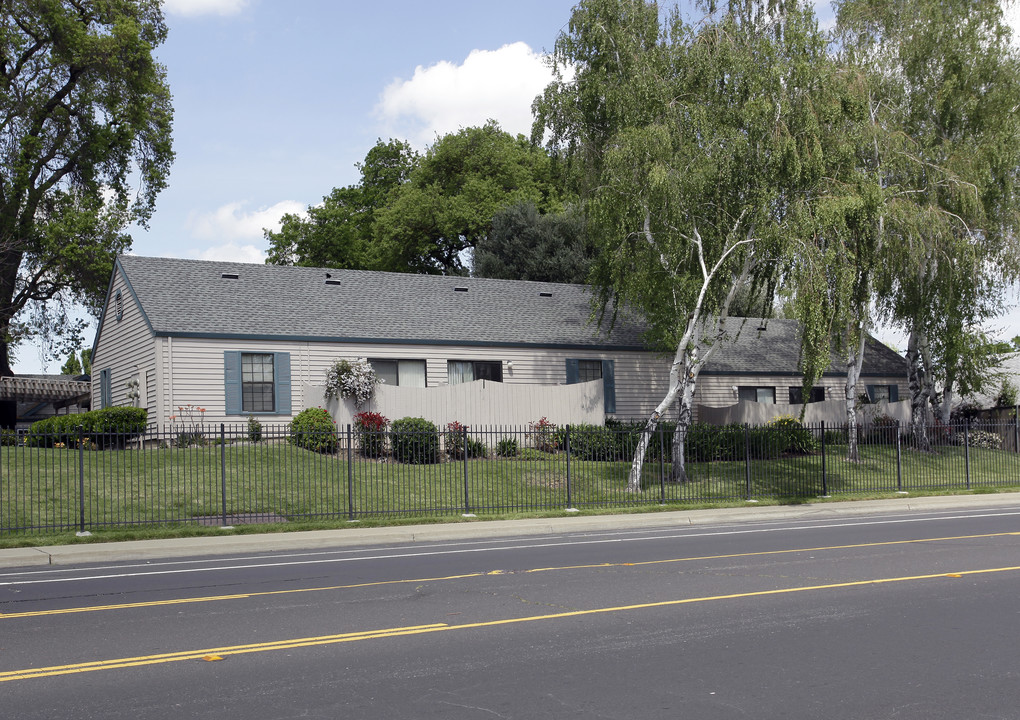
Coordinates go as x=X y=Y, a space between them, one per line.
x=855 y=357
x=919 y=394
x=678 y=470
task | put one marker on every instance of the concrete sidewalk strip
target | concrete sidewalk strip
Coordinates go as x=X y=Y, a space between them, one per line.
x=354 y=536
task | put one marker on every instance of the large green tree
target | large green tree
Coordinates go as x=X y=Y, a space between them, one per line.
x=697 y=142
x=461 y=183
x=526 y=245
x=85 y=148
x=339 y=231
x=943 y=84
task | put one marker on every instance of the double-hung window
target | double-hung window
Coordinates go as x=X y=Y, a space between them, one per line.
x=256 y=383
x=258 y=388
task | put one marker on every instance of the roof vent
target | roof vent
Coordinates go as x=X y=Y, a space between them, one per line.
x=333 y=281
x=545 y=294
x=460 y=289
x=229 y=276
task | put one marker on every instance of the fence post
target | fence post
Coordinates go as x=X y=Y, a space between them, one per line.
x=82 y=532
x=570 y=503
x=899 y=460
x=223 y=472
x=966 y=450
x=825 y=479
x=350 y=473
x=464 y=447
x=747 y=460
x=662 y=468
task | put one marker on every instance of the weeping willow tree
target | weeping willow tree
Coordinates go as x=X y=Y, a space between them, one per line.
x=943 y=86
x=696 y=145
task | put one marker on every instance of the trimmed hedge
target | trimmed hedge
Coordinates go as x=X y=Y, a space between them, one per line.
x=109 y=427
x=414 y=441
x=314 y=429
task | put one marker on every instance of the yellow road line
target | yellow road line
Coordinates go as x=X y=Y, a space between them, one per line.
x=321 y=640
x=268 y=593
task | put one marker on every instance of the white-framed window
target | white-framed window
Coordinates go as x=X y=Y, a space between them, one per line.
x=258 y=385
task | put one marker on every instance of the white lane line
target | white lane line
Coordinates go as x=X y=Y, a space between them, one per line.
x=462 y=550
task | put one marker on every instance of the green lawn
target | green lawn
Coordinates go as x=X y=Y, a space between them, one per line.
x=40 y=489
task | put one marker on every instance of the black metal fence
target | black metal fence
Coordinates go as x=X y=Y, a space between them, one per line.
x=229 y=475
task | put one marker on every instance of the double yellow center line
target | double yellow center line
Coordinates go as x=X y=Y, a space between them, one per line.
x=226 y=651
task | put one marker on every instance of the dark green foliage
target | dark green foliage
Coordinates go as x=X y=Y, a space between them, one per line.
x=788 y=436
x=415 y=441
x=314 y=429
x=8 y=437
x=524 y=245
x=448 y=203
x=109 y=427
x=338 y=231
x=593 y=442
x=87 y=120
x=883 y=430
x=507 y=447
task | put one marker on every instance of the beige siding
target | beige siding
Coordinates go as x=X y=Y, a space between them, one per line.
x=125 y=347
x=717 y=391
x=192 y=370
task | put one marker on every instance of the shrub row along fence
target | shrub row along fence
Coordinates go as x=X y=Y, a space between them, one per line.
x=197 y=475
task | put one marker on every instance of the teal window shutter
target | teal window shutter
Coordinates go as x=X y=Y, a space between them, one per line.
x=870 y=390
x=281 y=362
x=232 y=381
x=894 y=393
x=573 y=373
x=105 y=389
x=609 y=385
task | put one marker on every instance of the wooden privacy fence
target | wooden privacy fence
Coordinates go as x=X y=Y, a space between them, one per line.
x=478 y=403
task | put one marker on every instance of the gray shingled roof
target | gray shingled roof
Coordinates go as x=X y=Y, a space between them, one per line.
x=192 y=298
x=773 y=347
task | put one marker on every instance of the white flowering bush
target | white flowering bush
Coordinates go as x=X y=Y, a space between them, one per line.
x=351 y=379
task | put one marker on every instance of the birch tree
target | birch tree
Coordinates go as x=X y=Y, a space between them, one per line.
x=696 y=143
x=945 y=84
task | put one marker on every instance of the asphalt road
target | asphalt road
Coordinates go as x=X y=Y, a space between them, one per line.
x=889 y=615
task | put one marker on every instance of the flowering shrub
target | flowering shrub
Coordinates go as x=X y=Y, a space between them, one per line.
x=371 y=428
x=980 y=439
x=543 y=434
x=189 y=424
x=351 y=379
x=455 y=442
x=313 y=429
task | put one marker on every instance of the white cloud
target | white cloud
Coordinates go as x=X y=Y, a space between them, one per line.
x=232 y=222
x=193 y=8
x=497 y=84
x=231 y=252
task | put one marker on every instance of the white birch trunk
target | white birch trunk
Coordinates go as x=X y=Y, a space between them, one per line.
x=919 y=392
x=855 y=358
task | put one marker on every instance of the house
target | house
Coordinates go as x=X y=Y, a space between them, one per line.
x=241 y=339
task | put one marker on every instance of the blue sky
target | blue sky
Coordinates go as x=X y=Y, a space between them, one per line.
x=276 y=100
